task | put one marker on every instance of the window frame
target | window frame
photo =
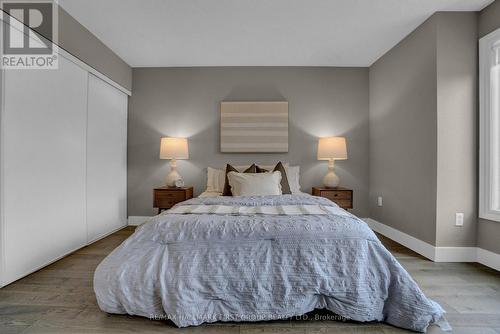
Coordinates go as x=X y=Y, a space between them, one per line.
x=487 y=59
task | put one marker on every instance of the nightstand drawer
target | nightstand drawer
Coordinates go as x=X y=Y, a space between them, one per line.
x=165 y=197
x=165 y=203
x=343 y=203
x=341 y=196
x=336 y=195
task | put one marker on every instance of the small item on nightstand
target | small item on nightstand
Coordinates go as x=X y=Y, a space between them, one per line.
x=166 y=197
x=343 y=197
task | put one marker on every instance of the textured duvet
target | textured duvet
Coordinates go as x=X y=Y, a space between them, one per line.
x=193 y=267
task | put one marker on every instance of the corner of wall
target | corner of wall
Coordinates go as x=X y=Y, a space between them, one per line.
x=81 y=43
x=457 y=90
x=488 y=232
x=402 y=130
x=489 y=18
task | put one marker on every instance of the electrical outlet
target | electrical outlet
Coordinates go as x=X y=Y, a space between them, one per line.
x=379 y=201
x=459 y=219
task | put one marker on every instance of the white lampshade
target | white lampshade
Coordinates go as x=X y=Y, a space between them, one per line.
x=174 y=148
x=332 y=148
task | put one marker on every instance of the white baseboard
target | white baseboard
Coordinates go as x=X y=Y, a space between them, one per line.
x=437 y=254
x=488 y=258
x=137 y=220
x=416 y=245
x=455 y=254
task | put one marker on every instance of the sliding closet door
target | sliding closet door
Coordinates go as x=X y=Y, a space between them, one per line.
x=106 y=159
x=43 y=162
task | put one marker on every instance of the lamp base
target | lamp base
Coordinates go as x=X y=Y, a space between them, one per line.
x=173 y=175
x=331 y=180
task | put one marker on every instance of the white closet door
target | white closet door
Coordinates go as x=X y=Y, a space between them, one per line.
x=106 y=159
x=43 y=146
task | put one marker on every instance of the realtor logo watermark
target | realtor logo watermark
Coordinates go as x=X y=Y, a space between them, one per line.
x=29 y=34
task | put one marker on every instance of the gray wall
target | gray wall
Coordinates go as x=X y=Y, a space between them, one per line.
x=185 y=102
x=488 y=235
x=423 y=131
x=421 y=140
x=457 y=88
x=403 y=137
x=488 y=232
x=489 y=19
x=81 y=43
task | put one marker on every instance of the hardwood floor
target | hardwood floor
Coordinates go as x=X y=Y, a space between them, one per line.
x=60 y=299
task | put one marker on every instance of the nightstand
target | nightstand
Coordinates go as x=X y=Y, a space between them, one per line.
x=342 y=196
x=167 y=197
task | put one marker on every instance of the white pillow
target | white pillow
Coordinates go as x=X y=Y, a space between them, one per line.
x=215 y=179
x=255 y=184
x=293 y=175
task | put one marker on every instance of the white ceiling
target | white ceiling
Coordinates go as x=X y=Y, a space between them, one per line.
x=255 y=32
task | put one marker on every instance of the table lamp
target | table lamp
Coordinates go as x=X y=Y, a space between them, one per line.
x=331 y=149
x=173 y=149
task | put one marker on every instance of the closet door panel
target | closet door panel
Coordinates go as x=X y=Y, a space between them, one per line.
x=44 y=125
x=106 y=159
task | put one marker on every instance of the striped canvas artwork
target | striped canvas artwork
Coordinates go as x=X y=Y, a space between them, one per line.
x=254 y=127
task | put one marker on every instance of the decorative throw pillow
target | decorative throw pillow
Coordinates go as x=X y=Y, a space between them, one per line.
x=285 y=187
x=229 y=168
x=255 y=184
x=293 y=175
x=215 y=179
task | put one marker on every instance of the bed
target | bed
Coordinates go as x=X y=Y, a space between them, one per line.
x=251 y=258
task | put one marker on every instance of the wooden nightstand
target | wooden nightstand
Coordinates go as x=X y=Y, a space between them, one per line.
x=167 y=197
x=342 y=196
